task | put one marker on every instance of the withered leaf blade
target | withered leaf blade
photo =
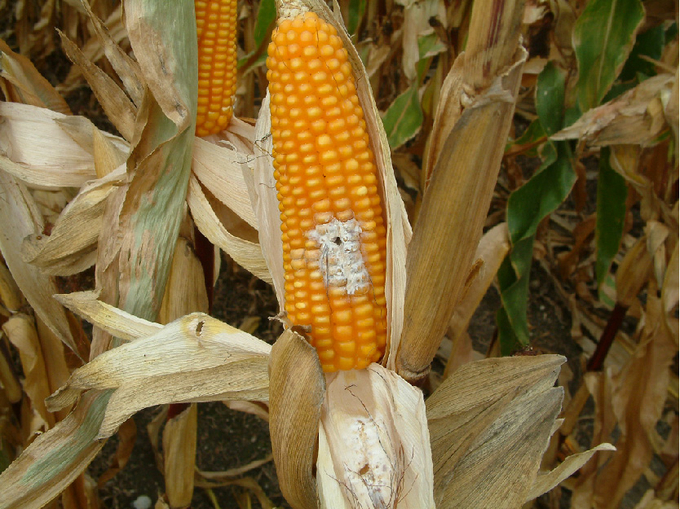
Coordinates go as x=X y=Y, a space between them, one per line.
x=20 y=218
x=297 y=388
x=55 y=458
x=38 y=151
x=220 y=171
x=490 y=423
x=636 y=117
x=107 y=317
x=26 y=84
x=374 y=444
x=118 y=107
x=179 y=454
x=71 y=246
x=247 y=254
x=195 y=358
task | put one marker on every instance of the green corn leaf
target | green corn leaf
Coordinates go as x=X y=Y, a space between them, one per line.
x=403 y=118
x=603 y=38
x=529 y=205
x=266 y=15
x=611 y=211
x=531 y=134
x=429 y=45
x=648 y=44
x=357 y=9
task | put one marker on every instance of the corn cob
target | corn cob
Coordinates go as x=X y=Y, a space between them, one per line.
x=216 y=27
x=331 y=215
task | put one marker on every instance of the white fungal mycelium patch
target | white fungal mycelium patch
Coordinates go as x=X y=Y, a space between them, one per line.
x=341 y=261
x=368 y=469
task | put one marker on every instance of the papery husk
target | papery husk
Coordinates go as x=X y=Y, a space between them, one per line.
x=396 y=220
x=179 y=454
x=451 y=220
x=468 y=140
x=635 y=117
x=490 y=423
x=296 y=392
x=185 y=290
x=106 y=41
x=39 y=151
x=374 y=448
x=21 y=331
x=220 y=170
x=193 y=359
x=20 y=218
x=638 y=397
x=107 y=317
x=55 y=458
x=22 y=83
x=118 y=107
x=247 y=254
x=71 y=246
x=491 y=252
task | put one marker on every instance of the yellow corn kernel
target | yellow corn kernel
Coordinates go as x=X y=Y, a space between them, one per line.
x=332 y=227
x=216 y=28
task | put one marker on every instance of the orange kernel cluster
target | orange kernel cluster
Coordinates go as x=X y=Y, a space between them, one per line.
x=217 y=59
x=332 y=222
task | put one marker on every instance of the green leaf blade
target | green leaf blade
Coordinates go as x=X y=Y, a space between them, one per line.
x=612 y=192
x=603 y=38
x=404 y=118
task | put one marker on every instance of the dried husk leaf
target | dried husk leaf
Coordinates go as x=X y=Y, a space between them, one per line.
x=107 y=157
x=220 y=170
x=638 y=397
x=490 y=422
x=636 y=117
x=374 y=446
x=24 y=84
x=106 y=41
x=21 y=331
x=262 y=191
x=297 y=387
x=451 y=220
x=38 y=151
x=486 y=57
x=417 y=16
x=154 y=206
x=55 y=458
x=195 y=358
x=118 y=107
x=105 y=316
x=185 y=290
x=396 y=220
x=11 y=387
x=247 y=254
x=20 y=218
x=71 y=246
x=10 y=295
x=633 y=272
x=179 y=453
x=669 y=294
x=546 y=481
x=491 y=252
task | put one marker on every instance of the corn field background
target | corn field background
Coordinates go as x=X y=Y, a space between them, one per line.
x=570 y=247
